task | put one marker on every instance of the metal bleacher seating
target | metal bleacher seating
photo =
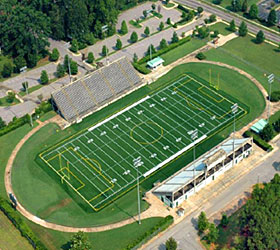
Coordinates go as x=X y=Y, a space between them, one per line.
x=85 y=95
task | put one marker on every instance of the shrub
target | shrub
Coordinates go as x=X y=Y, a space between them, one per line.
x=89 y=38
x=7 y=70
x=119 y=44
x=73 y=67
x=183 y=8
x=74 y=46
x=200 y=56
x=258 y=140
x=19 y=63
x=163 y=51
x=168 y=21
x=54 y=55
x=171 y=244
x=16 y=123
x=105 y=50
x=11 y=97
x=267 y=133
x=161 y=226
x=124 y=29
x=212 y=18
x=134 y=37
x=44 y=79
x=90 y=58
x=60 y=70
x=25 y=230
x=141 y=68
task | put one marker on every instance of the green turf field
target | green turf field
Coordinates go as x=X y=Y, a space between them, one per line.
x=98 y=162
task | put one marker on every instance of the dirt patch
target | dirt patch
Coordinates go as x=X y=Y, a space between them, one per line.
x=47 y=212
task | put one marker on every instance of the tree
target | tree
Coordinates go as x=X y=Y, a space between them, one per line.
x=243 y=29
x=232 y=26
x=151 y=50
x=89 y=38
x=60 y=70
x=73 y=67
x=134 y=37
x=199 y=10
x=213 y=233
x=174 y=38
x=163 y=44
x=245 y=6
x=161 y=26
x=271 y=19
x=7 y=70
x=90 y=57
x=19 y=63
x=202 y=222
x=203 y=32
x=79 y=241
x=260 y=37
x=236 y=5
x=25 y=86
x=168 y=21
x=171 y=244
x=153 y=7
x=145 y=13
x=267 y=133
x=119 y=44
x=54 y=55
x=212 y=18
x=200 y=56
x=2 y=123
x=44 y=79
x=224 y=221
x=254 y=11
x=135 y=58
x=105 y=50
x=10 y=97
x=147 y=31
x=124 y=29
x=24 y=31
x=74 y=46
x=216 y=33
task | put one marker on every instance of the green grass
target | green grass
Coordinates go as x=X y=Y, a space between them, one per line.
x=48 y=116
x=259 y=60
x=221 y=27
x=116 y=239
x=135 y=24
x=169 y=5
x=227 y=3
x=156 y=14
x=27 y=175
x=10 y=236
x=182 y=50
x=7 y=144
x=5 y=103
x=31 y=89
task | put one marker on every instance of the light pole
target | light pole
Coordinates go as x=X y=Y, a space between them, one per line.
x=138 y=163
x=194 y=136
x=234 y=109
x=270 y=79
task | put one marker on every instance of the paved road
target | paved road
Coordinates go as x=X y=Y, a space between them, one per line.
x=228 y=17
x=185 y=232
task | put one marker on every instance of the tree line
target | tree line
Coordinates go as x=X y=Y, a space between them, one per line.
x=25 y=25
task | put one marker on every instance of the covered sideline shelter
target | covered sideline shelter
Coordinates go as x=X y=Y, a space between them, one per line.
x=204 y=170
x=259 y=126
x=155 y=63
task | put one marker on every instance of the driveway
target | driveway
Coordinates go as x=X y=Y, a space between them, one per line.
x=185 y=232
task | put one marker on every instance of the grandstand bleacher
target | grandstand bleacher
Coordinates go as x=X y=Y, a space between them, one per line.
x=83 y=96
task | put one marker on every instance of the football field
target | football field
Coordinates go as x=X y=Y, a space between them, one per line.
x=99 y=163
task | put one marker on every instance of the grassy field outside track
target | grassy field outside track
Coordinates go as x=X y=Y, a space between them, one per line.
x=259 y=60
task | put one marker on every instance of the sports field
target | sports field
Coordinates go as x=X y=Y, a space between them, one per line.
x=98 y=163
